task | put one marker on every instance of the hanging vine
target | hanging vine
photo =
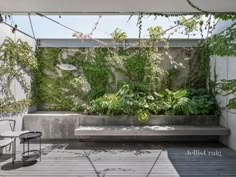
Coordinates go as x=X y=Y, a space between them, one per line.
x=17 y=61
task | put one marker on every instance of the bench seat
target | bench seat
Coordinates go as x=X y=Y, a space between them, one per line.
x=184 y=130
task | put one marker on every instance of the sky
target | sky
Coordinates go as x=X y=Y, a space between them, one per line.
x=45 y=28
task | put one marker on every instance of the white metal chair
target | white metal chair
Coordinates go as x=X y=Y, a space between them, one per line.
x=8 y=138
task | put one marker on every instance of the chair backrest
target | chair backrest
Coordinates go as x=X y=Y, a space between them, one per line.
x=7 y=125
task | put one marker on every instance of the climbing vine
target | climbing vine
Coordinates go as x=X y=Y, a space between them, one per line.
x=223 y=44
x=94 y=66
x=17 y=61
x=142 y=65
x=55 y=89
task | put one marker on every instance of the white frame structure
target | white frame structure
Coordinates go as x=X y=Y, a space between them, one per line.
x=61 y=7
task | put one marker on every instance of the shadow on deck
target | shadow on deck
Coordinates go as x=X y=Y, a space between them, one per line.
x=138 y=159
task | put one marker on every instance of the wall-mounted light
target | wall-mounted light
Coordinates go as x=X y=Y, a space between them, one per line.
x=66 y=67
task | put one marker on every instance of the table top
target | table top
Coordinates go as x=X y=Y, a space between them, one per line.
x=30 y=135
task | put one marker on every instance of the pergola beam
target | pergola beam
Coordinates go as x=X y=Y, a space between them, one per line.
x=130 y=43
x=63 y=7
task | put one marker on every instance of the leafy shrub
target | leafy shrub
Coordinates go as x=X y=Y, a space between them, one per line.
x=192 y=101
x=185 y=106
x=108 y=104
x=141 y=105
x=178 y=102
x=125 y=101
x=206 y=103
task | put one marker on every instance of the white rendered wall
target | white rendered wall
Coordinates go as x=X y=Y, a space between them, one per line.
x=225 y=68
x=6 y=31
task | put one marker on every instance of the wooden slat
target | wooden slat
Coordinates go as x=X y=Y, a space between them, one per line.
x=125 y=159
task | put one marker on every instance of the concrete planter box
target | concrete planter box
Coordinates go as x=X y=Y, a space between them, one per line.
x=53 y=125
x=61 y=125
x=95 y=120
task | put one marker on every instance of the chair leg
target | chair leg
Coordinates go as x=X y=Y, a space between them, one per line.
x=9 y=147
x=40 y=148
x=12 y=155
x=14 y=151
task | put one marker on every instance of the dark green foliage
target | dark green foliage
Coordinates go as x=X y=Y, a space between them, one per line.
x=109 y=104
x=134 y=70
x=52 y=86
x=135 y=67
x=222 y=45
x=199 y=69
x=97 y=73
x=125 y=101
x=225 y=17
x=192 y=101
x=228 y=87
x=58 y=89
x=93 y=63
x=178 y=102
x=232 y=103
x=141 y=105
x=132 y=96
x=205 y=101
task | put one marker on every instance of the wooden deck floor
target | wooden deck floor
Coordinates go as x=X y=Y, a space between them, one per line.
x=123 y=159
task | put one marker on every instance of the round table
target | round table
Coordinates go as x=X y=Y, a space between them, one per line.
x=26 y=138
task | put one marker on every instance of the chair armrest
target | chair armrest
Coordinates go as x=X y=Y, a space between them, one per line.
x=5 y=142
x=13 y=134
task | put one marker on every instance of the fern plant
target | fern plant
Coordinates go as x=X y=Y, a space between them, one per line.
x=188 y=102
x=185 y=106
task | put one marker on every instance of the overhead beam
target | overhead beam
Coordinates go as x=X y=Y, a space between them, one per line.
x=87 y=43
x=113 y=6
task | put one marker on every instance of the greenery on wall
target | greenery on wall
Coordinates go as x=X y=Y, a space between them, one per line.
x=133 y=95
x=138 y=93
x=93 y=86
x=17 y=61
x=222 y=44
x=95 y=68
x=54 y=88
x=140 y=67
x=227 y=88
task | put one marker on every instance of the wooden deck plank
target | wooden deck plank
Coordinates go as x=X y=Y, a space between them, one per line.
x=125 y=159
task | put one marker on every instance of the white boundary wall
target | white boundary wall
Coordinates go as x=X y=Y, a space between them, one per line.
x=225 y=68
x=6 y=31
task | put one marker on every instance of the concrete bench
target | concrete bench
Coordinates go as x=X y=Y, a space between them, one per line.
x=149 y=131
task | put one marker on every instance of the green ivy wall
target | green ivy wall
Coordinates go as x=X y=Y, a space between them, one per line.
x=55 y=89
